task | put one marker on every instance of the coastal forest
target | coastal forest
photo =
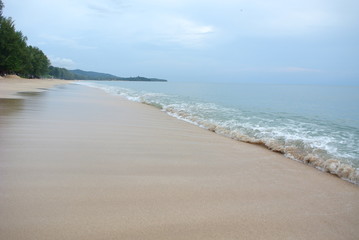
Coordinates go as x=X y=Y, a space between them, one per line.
x=16 y=56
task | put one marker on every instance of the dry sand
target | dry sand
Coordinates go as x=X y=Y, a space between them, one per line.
x=12 y=84
x=77 y=163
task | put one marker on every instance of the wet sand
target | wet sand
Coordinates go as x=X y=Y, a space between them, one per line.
x=77 y=163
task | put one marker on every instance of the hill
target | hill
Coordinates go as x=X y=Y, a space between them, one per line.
x=63 y=73
x=93 y=75
x=89 y=75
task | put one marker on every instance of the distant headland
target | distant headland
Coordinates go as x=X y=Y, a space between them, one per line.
x=63 y=73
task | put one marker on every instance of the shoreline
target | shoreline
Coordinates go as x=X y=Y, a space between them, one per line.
x=121 y=169
x=331 y=165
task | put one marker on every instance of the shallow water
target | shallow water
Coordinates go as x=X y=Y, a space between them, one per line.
x=318 y=125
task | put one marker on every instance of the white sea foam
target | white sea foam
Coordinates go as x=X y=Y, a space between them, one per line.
x=296 y=137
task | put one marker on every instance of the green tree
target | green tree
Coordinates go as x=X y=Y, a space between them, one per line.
x=13 y=49
x=15 y=56
x=1 y=7
x=37 y=64
x=63 y=73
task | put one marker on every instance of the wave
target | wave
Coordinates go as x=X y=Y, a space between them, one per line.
x=297 y=138
x=292 y=150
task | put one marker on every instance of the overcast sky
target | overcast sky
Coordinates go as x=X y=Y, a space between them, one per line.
x=282 y=41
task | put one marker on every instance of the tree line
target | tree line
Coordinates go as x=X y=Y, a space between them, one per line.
x=63 y=73
x=16 y=56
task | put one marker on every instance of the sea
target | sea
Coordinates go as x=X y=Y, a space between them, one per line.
x=317 y=125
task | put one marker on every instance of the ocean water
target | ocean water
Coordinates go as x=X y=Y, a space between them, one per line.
x=317 y=125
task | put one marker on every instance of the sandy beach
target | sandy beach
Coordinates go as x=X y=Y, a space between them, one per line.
x=11 y=85
x=78 y=163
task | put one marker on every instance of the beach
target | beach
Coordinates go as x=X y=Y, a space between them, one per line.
x=12 y=84
x=79 y=163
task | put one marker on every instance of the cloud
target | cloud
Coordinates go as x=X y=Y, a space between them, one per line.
x=186 y=32
x=274 y=18
x=62 y=62
x=298 y=22
x=298 y=70
x=176 y=31
x=107 y=7
x=285 y=37
x=66 y=41
x=281 y=70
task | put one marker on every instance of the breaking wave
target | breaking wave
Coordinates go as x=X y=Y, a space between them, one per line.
x=327 y=147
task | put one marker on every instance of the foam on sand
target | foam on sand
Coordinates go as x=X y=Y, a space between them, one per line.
x=302 y=140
